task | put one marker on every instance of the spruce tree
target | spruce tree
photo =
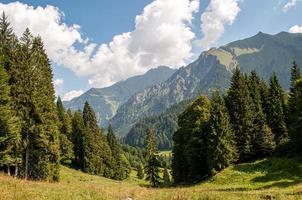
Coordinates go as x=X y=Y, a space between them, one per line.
x=64 y=123
x=9 y=127
x=153 y=164
x=97 y=154
x=239 y=103
x=276 y=113
x=78 y=133
x=263 y=139
x=221 y=144
x=140 y=171
x=295 y=107
x=120 y=171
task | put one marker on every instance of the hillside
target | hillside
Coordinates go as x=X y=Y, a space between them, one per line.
x=105 y=101
x=273 y=178
x=211 y=71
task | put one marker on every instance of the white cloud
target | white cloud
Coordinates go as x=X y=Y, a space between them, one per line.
x=58 y=83
x=295 y=29
x=218 y=14
x=162 y=36
x=72 y=94
x=289 y=4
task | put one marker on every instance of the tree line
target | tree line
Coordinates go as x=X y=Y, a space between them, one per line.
x=252 y=120
x=37 y=135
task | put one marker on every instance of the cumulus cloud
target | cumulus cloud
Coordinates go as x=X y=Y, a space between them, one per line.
x=72 y=94
x=295 y=29
x=217 y=15
x=58 y=83
x=162 y=36
x=289 y=4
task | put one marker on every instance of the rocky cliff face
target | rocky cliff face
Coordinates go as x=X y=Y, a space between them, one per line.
x=105 y=101
x=212 y=71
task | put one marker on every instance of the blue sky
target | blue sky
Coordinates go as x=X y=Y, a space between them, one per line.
x=99 y=21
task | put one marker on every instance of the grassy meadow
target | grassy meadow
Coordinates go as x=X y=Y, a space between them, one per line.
x=272 y=178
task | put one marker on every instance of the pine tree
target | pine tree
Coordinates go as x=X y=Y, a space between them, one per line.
x=263 y=138
x=120 y=171
x=140 y=171
x=221 y=145
x=66 y=146
x=276 y=113
x=78 y=133
x=295 y=107
x=97 y=154
x=166 y=176
x=153 y=164
x=239 y=103
x=9 y=127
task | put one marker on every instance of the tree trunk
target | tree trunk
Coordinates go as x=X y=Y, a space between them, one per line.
x=16 y=171
x=26 y=164
x=8 y=170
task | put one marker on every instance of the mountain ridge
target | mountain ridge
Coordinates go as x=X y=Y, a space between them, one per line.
x=212 y=71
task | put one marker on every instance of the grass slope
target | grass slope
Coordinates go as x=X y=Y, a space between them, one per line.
x=273 y=178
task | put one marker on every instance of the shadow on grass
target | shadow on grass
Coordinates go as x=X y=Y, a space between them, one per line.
x=283 y=172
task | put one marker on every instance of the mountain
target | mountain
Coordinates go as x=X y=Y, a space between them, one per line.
x=105 y=101
x=212 y=71
x=164 y=125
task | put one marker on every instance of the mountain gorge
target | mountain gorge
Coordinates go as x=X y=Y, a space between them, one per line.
x=105 y=101
x=212 y=71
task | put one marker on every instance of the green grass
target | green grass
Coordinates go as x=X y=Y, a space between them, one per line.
x=273 y=178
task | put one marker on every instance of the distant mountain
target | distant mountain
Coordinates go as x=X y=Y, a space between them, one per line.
x=105 y=101
x=164 y=125
x=212 y=71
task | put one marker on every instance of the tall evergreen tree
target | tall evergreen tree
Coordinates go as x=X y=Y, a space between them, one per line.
x=221 y=146
x=295 y=107
x=276 y=113
x=153 y=164
x=97 y=154
x=263 y=138
x=9 y=127
x=78 y=133
x=66 y=146
x=239 y=103
x=120 y=171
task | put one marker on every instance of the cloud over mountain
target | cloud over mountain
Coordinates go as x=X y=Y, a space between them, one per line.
x=162 y=36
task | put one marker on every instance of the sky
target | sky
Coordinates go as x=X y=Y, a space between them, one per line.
x=97 y=43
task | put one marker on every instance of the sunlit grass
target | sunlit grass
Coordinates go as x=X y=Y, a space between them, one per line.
x=274 y=178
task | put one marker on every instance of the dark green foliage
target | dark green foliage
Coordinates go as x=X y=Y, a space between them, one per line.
x=189 y=151
x=262 y=139
x=78 y=133
x=153 y=164
x=239 y=103
x=221 y=146
x=276 y=110
x=295 y=108
x=65 y=127
x=9 y=127
x=166 y=176
x=140 y=171
x=164 y=126
x=120 y=163
x=134 y=155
